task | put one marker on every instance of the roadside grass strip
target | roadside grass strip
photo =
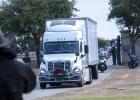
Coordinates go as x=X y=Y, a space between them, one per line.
x=97 y=98
x=110 y=98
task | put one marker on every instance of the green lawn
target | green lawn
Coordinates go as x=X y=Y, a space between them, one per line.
x=96 y=98
x=108 y=98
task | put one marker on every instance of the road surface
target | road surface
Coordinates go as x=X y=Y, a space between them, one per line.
x=38 y=93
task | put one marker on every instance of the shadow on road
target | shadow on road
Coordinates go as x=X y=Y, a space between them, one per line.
x=62 y=86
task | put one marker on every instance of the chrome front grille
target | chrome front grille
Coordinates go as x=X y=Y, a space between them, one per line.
x=59 y=64
x=50 y=66
x=67 y=66
x=64 y=65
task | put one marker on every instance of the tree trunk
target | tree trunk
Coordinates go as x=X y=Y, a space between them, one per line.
x=37 y=41
x=132 y=45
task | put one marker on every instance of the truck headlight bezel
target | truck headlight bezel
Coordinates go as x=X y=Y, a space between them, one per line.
x=76 y=70
x=42 y=71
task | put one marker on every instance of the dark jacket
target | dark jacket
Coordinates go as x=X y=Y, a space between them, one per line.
x=15 y=77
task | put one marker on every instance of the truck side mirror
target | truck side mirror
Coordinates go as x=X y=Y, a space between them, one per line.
x=86 y=49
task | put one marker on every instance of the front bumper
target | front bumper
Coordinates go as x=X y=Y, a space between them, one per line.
x=51 y=79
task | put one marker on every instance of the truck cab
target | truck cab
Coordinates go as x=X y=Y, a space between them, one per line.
x=65 y=54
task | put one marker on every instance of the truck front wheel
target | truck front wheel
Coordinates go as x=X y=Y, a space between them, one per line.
x=42 y=85
x=81 y=83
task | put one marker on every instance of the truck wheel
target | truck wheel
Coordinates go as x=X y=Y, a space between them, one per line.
x=42 y=85
x=105 y=67
x=80 y=84
x=94 y=72
x=90 y=77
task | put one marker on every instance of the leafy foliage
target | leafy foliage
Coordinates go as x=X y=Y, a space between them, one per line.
x=27 y=17
x=127 y=16
x=102 y=42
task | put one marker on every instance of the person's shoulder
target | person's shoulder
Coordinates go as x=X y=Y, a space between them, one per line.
x=20 y=65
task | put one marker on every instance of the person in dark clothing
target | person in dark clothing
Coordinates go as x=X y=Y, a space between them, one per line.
x=15 y=77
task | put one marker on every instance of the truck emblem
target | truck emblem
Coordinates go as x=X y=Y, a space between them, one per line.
x=58 y=71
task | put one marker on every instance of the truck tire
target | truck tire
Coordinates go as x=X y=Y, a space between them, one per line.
x=94 y=72
x=42 y=85
x=90 y=77
x=80 y=84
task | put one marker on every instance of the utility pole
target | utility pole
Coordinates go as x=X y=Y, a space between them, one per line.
x=118 y=51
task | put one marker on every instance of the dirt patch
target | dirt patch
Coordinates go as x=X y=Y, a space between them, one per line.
x=121 y=82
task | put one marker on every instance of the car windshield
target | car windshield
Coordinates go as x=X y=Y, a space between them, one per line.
x=61 y=47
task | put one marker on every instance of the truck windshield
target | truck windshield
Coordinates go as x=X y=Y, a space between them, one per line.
x=61 y=47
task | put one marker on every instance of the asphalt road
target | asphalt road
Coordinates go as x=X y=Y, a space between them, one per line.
x=38 y=93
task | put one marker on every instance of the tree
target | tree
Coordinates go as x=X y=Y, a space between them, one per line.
x=27 y=17
x=127 y=16
x=102 y=42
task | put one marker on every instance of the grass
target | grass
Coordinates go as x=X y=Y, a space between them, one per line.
x=137 y=97
x=110 y=98
x=124 y=87
x=97 y=98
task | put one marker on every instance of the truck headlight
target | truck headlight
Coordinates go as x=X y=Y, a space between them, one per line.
x=43 y=61
x=42 y=71
x=76 y=70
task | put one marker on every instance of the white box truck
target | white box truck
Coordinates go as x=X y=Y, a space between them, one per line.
x=70 y=52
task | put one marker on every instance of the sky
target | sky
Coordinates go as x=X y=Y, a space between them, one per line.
x=98 y=11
